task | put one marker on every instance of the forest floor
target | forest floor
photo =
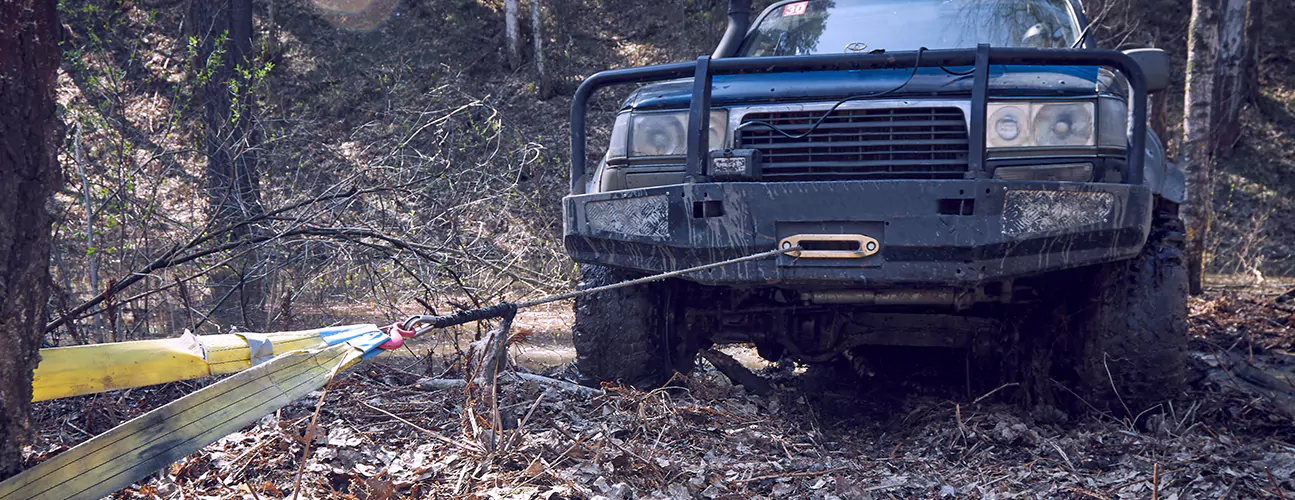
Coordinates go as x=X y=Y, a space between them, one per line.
x=382 y=437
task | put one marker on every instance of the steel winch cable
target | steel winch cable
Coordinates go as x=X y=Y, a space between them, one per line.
x=425 y=323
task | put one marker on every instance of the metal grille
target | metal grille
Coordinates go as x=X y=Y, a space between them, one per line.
x=897 y=143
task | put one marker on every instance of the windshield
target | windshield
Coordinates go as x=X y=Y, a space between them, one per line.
x=836 y=26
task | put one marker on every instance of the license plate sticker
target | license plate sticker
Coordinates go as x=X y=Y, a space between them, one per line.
x=728 y=166
x=795 y=9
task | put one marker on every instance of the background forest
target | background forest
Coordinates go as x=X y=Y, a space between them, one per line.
x=376 y=159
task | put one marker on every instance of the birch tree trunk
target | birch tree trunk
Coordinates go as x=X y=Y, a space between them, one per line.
x=512 y=34
x=92 y=262
x=30 y=136
x=1197 y=159
x=537 y=36
x=1234 y=60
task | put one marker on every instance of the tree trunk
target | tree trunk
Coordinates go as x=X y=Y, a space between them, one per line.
x=537 y=35
x=1254 y=38
x=225 y=32
x=92 y=262
x=30 y=135
x=1234 y=60
x=512 y=34
x=1197 y=158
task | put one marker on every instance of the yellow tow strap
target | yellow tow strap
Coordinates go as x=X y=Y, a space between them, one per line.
x=79 y=370
x=123 y=455
x=272 y=371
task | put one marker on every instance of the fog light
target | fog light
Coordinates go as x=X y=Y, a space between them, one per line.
x=1069 y=172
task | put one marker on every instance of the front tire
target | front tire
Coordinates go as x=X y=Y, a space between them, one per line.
x=1132 y=352
x=624 y=335
x=1113 y=335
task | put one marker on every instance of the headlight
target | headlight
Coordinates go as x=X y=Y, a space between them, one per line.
x=1034 y=124
x=661 y=133
x=1064 y=124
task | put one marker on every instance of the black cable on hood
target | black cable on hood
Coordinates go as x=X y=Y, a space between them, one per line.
x=916 y=64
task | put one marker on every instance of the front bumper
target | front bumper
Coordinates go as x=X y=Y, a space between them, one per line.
x=947 y=232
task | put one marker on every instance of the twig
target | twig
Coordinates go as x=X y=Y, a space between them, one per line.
x=310 y=438
x=246 y=454
x=808 y=473
x=176 y=254
x=991 y=393
x=1084 y=401
x=1093 y=494
x=1223 y=365
x=521 y=425
x=252 y=491
x=1111 y=378
x=1069 y=465
x=461 y=444
x=1155 y=481
x=1276 y=487
x=962 y=428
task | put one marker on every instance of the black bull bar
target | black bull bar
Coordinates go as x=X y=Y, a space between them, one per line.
x=704 y=68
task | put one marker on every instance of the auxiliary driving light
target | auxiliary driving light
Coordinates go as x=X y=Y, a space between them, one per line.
x=1068 y=172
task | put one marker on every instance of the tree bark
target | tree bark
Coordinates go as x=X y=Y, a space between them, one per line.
x=1197 y=158
x=512 y=34
x=537 y=36
x=30 y=135
x=225 y=32
x=1254 y=38
x=1233 y=86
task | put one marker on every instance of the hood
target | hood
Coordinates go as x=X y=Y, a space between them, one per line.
x=1015 y=81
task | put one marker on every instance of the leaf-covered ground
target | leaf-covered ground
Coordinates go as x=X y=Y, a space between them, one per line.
x=379 y=436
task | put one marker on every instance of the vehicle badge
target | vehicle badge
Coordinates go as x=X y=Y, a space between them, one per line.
x=856 y=47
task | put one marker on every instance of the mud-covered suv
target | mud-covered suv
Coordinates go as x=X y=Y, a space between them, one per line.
x=957 y=174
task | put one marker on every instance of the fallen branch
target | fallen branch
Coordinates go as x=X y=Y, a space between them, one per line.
x=560 y=385
x=1256 y=381
x=753 y=383
x=441 y=384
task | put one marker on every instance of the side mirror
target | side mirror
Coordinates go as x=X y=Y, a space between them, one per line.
x=1155 y=65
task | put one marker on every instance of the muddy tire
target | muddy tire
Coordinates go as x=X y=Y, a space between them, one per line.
x=1130 y=349
x=623 y=335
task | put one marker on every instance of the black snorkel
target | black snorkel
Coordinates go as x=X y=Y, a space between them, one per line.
x=739 y=21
